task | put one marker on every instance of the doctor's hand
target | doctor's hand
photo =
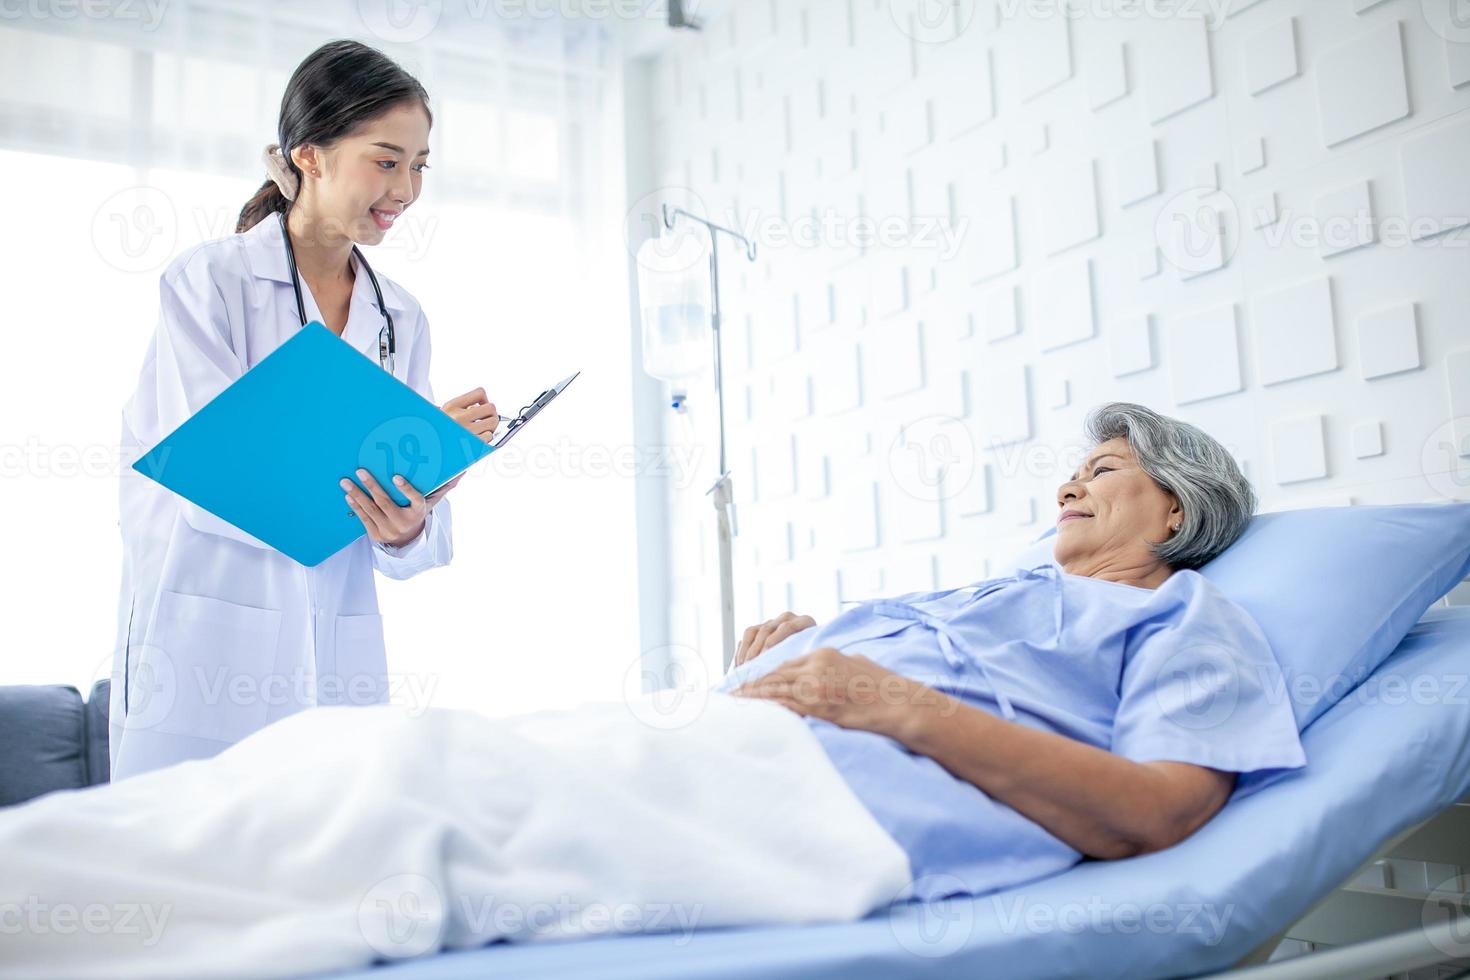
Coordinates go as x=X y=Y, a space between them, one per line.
x=475 y=413
x=380 y=514
x=849 y=690
x=758 y=639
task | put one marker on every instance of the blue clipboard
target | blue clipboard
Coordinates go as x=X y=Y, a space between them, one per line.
x=266 y=454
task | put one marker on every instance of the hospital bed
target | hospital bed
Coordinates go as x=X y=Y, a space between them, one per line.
x=1383 y=764
x=1323 y=855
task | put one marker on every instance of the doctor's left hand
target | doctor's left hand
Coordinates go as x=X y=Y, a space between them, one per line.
x=380 y=514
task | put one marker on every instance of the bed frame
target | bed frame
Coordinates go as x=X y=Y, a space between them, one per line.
x=1373 y=925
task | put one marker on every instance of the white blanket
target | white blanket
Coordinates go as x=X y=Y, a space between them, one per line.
x=346 y=834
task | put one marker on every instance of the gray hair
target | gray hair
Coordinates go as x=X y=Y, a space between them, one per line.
x=1215 y=496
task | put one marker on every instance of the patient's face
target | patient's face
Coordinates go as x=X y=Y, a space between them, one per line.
x=1126 y=511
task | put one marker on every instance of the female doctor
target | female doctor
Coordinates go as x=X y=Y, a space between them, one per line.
x=219 y=634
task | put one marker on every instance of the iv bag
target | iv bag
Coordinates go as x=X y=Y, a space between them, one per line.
x=673 y=297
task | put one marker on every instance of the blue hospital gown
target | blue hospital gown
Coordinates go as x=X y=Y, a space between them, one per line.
x=1175 y=673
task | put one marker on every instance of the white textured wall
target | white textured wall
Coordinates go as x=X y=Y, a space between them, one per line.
x=1256 y=219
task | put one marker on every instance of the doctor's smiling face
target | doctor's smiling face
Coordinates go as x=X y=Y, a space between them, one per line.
x=1109 y=513
x=357 y=186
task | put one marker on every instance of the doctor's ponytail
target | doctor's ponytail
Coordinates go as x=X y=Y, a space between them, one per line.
x=267 y=201
x=339 y=87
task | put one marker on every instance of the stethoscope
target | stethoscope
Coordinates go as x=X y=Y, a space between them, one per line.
x=387 y=343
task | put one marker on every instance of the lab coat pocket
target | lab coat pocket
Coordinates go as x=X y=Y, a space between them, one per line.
x=211 y=664
x=356 y=670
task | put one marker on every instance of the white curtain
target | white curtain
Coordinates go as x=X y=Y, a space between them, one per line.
x=131 y=130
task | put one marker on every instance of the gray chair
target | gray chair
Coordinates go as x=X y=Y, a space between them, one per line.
x=52 y=738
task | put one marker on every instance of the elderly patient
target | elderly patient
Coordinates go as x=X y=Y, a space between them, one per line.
x=1100 y=706
x=936 y=744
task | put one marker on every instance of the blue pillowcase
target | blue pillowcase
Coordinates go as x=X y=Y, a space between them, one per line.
x=1335 y=588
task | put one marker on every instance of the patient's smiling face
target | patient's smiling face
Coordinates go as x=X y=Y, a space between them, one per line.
x=1123 y=511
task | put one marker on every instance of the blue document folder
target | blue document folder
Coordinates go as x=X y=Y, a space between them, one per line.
x=268 y=452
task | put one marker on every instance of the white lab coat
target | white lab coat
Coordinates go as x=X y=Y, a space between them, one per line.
x=218 y=633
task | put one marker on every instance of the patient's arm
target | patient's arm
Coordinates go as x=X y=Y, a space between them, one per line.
x=760 y=638
x=1104 y=805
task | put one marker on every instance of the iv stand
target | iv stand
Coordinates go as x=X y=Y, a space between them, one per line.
x=724 y=499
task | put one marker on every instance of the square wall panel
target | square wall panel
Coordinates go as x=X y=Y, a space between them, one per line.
x=909 y=572
x=1177 y=73
x=1137 y=172
x=1263 y=211
x=1003 y=404
x=792 y=394
x=1035 y=138
x=859 y=508
x=859 y=582
x=1040 y=49
x=896 y=364
x=1107 y=76
x=913 y=516
x=1058 y=392
x=837 y=380
x=891 y=287
x=1457 y=61
x=1148 y=262
x=1250 y=155
x=1457 y=371
x=1298 y=449
x=1436 y=192
x=814 y=474
x=1368 y=439
x=1361 y=85
x=968 y=97
x=1295 y=331
x=775 y=463
x=971 y=497
x=1130 y=345
x=1065 y=192
x=1204 y=355
x=1000 y=312
x=1270 y=57
x=1388 y=341
x=1345 y=219
x=1062 y=295
x=987 y=222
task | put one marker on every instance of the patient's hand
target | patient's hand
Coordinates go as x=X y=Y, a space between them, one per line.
x=848 y=690
x=758 y=639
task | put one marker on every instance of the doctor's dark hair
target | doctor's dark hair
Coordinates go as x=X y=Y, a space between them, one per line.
x=1216 y=498
x=337 y=88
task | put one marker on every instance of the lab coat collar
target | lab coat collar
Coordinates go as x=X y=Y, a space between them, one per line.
x=265 y=253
